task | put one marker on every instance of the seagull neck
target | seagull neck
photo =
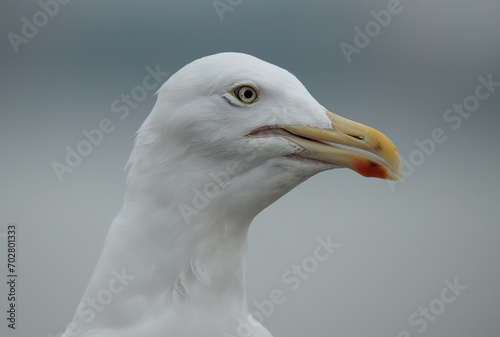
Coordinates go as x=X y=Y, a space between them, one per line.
x=155 y=265
x=200 y=263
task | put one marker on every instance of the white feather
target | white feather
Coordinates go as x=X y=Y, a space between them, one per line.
x=187 y=273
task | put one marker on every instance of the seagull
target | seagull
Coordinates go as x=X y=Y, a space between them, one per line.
x=228 y=136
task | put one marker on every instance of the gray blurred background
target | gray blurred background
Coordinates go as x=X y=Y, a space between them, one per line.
x=399 y=244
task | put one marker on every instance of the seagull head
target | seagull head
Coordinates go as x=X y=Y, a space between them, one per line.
x=245 y=124
x=228 y=135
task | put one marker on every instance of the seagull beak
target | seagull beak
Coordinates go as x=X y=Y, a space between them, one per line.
x=350 y=144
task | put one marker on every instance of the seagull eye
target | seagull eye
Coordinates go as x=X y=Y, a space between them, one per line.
x=246 y=94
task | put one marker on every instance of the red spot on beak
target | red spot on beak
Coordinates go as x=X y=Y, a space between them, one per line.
x=368 y=168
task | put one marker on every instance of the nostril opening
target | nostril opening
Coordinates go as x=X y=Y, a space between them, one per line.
x=357 y=137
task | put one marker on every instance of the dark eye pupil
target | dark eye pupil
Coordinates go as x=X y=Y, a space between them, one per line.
x=245 y=94
x=248 y=94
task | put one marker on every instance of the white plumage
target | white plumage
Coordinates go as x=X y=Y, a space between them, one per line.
x=228 y=136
